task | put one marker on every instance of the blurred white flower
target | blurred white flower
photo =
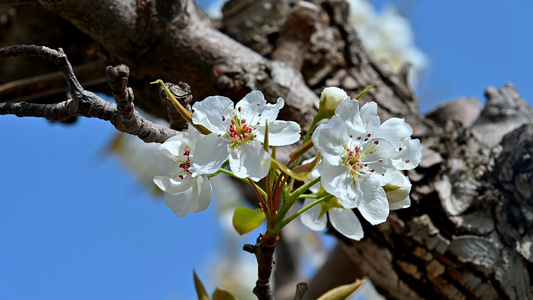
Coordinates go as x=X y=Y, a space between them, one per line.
x=138 y=157
x=389 y=36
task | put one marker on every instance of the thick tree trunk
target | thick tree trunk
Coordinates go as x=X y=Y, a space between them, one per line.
x=469 y=232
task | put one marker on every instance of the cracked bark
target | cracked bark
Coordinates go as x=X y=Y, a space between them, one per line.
x=469 y=231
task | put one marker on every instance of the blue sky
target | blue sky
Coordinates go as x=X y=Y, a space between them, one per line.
x=76 y=225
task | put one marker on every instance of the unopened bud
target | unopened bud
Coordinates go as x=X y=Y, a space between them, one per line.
x=398 y=192
x=331 y=97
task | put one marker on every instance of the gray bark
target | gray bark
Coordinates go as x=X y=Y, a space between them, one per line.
x=469 y=232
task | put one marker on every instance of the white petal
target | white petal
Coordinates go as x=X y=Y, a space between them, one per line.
x=374 y=205
x=280 y=133
x=195 y=199
x=270 y=112
x=330 y=139
x=348 y=110
x=179 y=202
x=372 y=124
x=410 y=156
x=346 y=222
x=337 y=181
x=250 y=106
x=209 y=154
x=171 y=185
x=311 y=219
x=395 y=130
x=201 y=193
x=210 y=111
x=167 y=166
x=250 y=160
x=384 y=171
x=383 y=148
x=193 y=134
x=369 y=110
x=174 y=146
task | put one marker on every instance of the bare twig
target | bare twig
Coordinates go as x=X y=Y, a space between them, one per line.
x=264 y=254
x=84 y=103
x=301 y=288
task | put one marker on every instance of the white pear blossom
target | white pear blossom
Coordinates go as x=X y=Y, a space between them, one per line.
x=239 y=133
x=184 y=192
x=354 y=168
x=360 y=156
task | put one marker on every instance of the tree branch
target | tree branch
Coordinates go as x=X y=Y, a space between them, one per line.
x=215 y=64
x=36 y=87
x=84 y=103
x=264 y=254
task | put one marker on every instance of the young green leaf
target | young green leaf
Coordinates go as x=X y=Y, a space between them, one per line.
x=246 y=219
x=341 y=292
x=200 y=289
x=223 y=295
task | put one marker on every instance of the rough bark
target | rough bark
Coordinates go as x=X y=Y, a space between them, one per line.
x=469 y=232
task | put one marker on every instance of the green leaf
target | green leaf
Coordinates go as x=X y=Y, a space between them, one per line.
x=246 y=219
x=223 y=295
x=200 y=289
x=341 y=292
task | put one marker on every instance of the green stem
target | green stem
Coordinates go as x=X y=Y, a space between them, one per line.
x=304 y=188
x=289 y=200
x=302 y=210
x=308 y=196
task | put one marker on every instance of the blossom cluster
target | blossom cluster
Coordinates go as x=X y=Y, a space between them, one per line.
x=359 y=163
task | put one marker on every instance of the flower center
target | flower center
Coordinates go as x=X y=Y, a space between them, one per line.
x=239 y=131
x=353 y=159
x=184 y=164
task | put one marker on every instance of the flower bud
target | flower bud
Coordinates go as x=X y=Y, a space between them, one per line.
x=330 y=98
x=398 y=192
